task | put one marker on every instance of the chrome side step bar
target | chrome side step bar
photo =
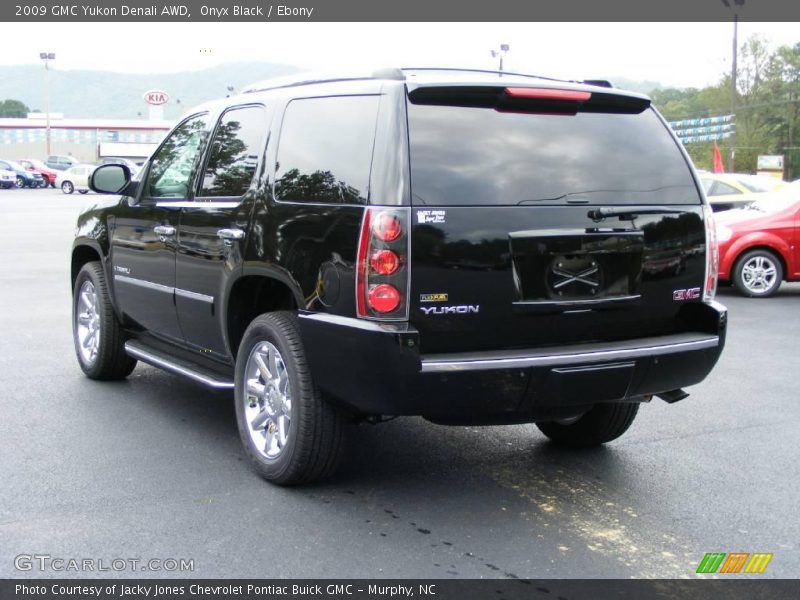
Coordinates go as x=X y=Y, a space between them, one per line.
x=141 y=352
x=569 y=355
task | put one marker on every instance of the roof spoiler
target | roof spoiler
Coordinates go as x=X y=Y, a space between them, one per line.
x=530 y=99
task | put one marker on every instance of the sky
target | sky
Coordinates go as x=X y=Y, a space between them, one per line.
x=674 y=54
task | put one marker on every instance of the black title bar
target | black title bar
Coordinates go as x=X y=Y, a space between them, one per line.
x=407 y=10
x=395 y=589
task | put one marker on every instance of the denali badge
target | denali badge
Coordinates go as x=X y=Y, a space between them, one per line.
x=690 y=294
x=450 y=310
x=433 y=297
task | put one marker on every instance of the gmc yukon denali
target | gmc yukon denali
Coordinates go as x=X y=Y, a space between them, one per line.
x=471 y=247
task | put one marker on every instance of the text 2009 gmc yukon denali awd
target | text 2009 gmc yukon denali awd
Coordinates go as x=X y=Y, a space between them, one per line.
x=467 y=246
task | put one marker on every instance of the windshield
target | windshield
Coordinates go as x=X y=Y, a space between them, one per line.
x=778 y=201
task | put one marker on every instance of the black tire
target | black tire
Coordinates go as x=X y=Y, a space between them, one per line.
x=751 y=288
x=110 y=361
x=83 y=191
x=603 y=423
x=316 y=429
x=67 y=187
x=19 y=183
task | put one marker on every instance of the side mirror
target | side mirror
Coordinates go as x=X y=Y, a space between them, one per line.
x=110 y=179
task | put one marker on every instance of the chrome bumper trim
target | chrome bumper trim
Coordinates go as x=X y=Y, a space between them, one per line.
x=565 y=355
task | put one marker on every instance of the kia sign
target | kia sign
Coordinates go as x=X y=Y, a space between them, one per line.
x=156 y=97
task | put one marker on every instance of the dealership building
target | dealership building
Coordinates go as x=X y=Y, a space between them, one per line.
x=88 y=140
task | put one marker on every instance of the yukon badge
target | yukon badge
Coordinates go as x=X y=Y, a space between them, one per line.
x=463 y=309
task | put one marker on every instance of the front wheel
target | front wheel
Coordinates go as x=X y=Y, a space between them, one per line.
x=602 y=423
x=67 y=187
x=758 y=274
x=83 y=191
x=290 y=434
x=98 y=335
x=19 y=183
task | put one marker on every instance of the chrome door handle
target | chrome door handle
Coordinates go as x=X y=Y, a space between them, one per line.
x=164 y=230
x=230 y=234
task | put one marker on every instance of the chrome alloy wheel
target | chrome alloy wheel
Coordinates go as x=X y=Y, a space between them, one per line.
x=268 y=400
x=87 y=323
x=758 y=274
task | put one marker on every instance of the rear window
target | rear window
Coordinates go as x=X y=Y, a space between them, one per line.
x=480 y=156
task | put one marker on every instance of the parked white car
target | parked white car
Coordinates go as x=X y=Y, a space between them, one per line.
x=75 y=178
x=8 y=179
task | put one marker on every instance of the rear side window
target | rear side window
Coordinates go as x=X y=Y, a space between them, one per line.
x=233 y=158
x=325 y=150
x=480 y=156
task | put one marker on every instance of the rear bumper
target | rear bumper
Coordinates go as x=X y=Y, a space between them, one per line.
x=376 y=369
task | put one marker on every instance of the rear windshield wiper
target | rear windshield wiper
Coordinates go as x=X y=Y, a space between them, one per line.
x=629 y=212
x=538 y=200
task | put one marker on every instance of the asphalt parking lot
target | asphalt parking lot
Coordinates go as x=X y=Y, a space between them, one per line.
x=151 y=467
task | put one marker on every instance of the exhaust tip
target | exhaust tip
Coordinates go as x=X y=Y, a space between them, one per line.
x=673 y=395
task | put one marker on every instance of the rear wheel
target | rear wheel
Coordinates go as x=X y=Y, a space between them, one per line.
x=67 y=187
x=758 y=273
x=290 y=434
x=83 y=191
x=603 y=423
x=98 y=336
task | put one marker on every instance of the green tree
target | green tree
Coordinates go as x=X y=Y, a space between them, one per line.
x=767 y=107
x=13 y=109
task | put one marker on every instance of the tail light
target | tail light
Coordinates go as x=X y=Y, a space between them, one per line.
x=712 y=256
x=382 y=270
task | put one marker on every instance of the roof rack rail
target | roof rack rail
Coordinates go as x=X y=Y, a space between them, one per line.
x=308 y=78
x=485 y=71
x=598 y=82
x=393 y=73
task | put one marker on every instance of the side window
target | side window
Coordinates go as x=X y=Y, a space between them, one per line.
x=171 y=167
x=707 y=183
x=723 y=189
x=233 y=157
x=325 y=150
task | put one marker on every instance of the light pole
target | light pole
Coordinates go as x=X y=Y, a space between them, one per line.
x=732 y=157
x=46 y=57
x=501 y=53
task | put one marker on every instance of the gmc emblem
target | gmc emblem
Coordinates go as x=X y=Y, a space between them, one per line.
x=690 y=294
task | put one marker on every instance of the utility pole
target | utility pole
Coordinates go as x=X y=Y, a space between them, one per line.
x=46 y=57
x=727 y=3
x=500 y=53
x=732 y=159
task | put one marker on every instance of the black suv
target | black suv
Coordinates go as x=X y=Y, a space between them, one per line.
x=472 y=247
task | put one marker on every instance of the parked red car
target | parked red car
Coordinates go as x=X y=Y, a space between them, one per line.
x=759 y=246
x=37 y=166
